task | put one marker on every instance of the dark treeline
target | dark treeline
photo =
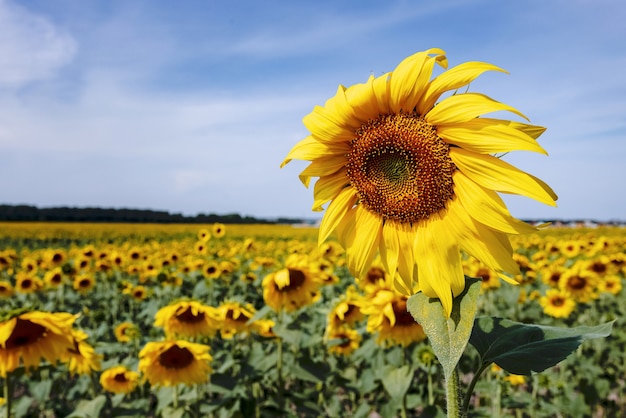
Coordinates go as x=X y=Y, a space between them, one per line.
x=26 y=213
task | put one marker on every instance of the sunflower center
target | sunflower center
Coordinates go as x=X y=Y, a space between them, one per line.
x=403 y=317
x=576 y=283
x=25 y=333
x=296 y=280
x=558 y=302
x=120 y=378
x=176 y=358
x=400 y=168
x=189 y=317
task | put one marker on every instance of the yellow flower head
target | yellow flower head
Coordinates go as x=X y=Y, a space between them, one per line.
x=412 y=175
x=557 y=303
x=126 y=331
x=188 y=319
x=343 y=341
x=119 y=379
x=169 y=363
x=234 y=317
x=294 y=286
x=82 y=358
x=32 y=336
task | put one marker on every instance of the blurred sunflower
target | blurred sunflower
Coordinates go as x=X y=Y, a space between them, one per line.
x=83 y=284
x=347 y=310
x=139 y=293
x=293 y=287
x=188 y=319
x=412 y=176
x=264 y=327
x=55 y=257
x=204 y=235
x=388 y=317
x=490 y=279
x=119 y=379
x=581 y=284
x=343 y=341
x=169 y=363
x=218 y=230
x=6 y=289
x=31 y=336
x=126 y=332
x=211 y=269
x=557 y=303
x=27 y=282
x=81 y=358
x=611 y=284
x=54 y=278
x=234 y=318
x=551 y=275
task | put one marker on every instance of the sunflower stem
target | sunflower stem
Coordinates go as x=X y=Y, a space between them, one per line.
x=470 y=389
x=7 y=394
x=279 y=362
x=453 y=399
x=175 y=396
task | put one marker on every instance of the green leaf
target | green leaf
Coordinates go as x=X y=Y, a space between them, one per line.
x=525 y=348
x=448 y=336
x=89 y=409
x=397 y=381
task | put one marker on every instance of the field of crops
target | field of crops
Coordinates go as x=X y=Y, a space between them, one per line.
x=257 y=320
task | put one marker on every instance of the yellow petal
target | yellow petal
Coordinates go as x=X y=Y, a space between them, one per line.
x=281 y=278
x=487 y=207
x=483 y=137
x=362 y=100
x=327 y=187
x=380 y=89
x=390 y=250
x=368 y=231
x=325 y=127
x=495 y=174
x=407 y=269
x=336 y=211
x=323 y=167
x=410 y=77
x=310 y=149
x=491 y=247
x=461 y=108
x=455 y=77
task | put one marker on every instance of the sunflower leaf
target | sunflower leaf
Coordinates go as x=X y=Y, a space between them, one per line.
x=397 y=381
x=448 y=336
x=525 y=348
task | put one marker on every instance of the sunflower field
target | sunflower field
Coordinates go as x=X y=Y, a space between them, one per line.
x=129 y=320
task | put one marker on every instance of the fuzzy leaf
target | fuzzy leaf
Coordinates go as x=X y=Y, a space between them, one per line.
x=525 y=348
x=448 y=336
x=397 y=381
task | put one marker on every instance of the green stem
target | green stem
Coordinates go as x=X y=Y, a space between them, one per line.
x=431 y=396
x=175 y=396
x=279 y=362
x=470 y=389
x=453 y=398
x=7 y=394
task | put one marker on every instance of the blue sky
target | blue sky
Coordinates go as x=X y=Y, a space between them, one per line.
x=190 y=106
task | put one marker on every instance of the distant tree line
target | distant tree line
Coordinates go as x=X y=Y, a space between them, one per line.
x=26 y=213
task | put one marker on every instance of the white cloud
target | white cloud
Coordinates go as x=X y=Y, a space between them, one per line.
x=31 y=47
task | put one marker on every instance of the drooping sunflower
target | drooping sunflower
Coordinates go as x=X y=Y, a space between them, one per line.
x=32 y=336
x=557 y=303
x=168 y=363
x=347 y=311
x=119 y=379
x=234 y=317
x=343 y=341
x=409 y=173
x=188 y=319
x=294 y=286
x=81 y=358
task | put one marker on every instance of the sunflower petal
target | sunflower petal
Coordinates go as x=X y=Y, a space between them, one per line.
x=487 y=207
x=495 y=174
x=310 y=149
x=440 y=269
x=368 y=229
x=327 y=187
x=455 y=77
x=380 y=89
x=485 y=138
x=323 y=167
x=325 y=127
x=409 y=79
x=335 y=212
x=362 y=100
x=461 y=108
x=390 y=250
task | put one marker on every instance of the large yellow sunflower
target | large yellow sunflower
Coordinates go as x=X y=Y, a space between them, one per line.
x=294 y=286
x=32 y=336
x=414 y=177
x=82 y=358
x=168 y=363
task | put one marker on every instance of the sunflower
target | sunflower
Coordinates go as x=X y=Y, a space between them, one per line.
x=343 y=341
x=119 y=379
x=609 y=284
x=557 y=303
x=6 y=289
x=211 y=269
x=81 y=358
x=126 y=332
x=169 y=363
x=581 y=284
x=387 y=316
x=54 y=278
x=204 y=235
x=347 y=310
x=234 y=318
x=83 y=284
x=31 y=336
x=218 y=230
x=294 y=286
x=188 y=319
x=408 y=176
